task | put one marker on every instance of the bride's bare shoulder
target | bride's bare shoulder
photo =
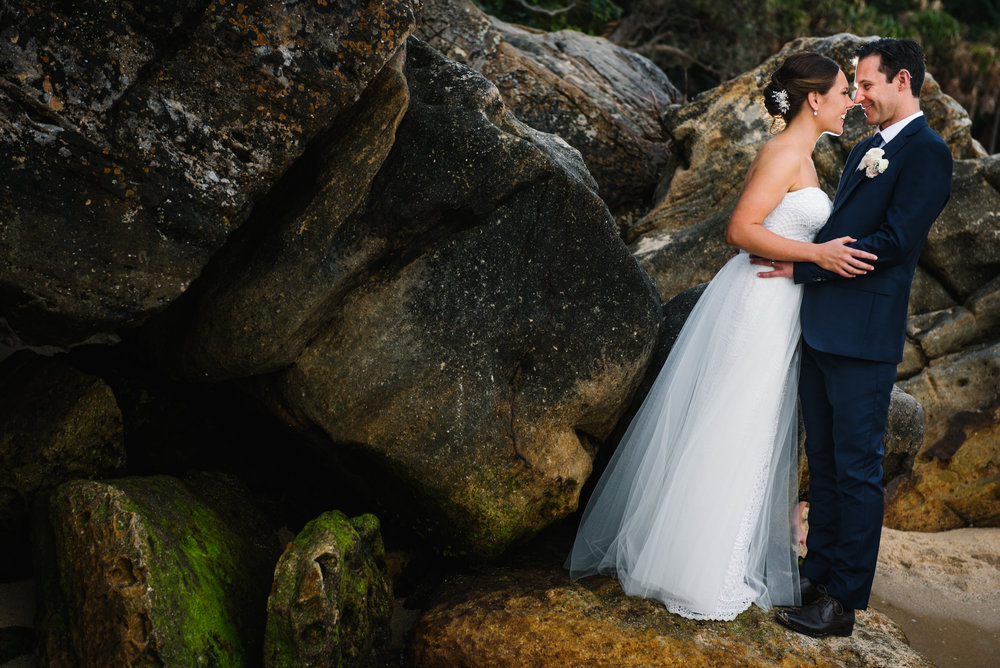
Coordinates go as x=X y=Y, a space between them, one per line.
x=776 y=157
x=778 y=148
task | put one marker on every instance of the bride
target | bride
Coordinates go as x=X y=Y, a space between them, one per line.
x=695 y=506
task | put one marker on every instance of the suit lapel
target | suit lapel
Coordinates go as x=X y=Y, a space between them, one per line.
x=852 y=175
x=856 y=176
x=914 y=126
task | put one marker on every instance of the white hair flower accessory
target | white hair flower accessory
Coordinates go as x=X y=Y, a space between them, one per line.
x=781 y=97
x=873 y=163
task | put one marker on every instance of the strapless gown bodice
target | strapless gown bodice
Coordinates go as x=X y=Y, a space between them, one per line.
x=800 y=214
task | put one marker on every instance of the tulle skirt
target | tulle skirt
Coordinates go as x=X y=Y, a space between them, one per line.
x=695 y=508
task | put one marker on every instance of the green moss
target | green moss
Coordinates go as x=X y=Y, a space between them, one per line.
x=206 y=580
x=350 y=620
x=195 y=572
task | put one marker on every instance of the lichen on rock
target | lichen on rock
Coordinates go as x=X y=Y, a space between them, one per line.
x=153 y=130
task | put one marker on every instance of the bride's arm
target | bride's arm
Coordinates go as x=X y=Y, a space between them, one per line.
x=772 y=175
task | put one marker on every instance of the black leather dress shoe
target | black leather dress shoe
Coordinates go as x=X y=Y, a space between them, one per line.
x=823 y=617
x=809 y=589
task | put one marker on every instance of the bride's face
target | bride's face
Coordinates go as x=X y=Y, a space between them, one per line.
x=834 y=105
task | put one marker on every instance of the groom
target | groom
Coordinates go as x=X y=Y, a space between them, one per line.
x=853 y=331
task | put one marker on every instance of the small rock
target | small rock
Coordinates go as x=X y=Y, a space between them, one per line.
x=331 y=601
x=956 y=477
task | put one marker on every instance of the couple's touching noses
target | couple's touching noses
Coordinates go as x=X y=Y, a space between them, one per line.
x=697 y=507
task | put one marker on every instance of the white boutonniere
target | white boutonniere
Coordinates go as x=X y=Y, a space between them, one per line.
x=873 y=163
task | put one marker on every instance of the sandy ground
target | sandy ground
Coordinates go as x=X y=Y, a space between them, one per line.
x=943 y=589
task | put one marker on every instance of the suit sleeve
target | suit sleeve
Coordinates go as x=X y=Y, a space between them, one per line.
x=926 y=181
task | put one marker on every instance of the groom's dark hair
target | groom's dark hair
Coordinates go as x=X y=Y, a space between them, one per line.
x=897 y=54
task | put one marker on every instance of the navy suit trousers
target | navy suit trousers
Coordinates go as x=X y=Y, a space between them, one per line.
x=845 y=406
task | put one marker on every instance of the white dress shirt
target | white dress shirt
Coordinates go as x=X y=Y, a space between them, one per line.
x=889 y=133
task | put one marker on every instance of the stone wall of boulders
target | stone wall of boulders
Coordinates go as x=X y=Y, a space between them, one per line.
x=365 y=255
x=304 y=213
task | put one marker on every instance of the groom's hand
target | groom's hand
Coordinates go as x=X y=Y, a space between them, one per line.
x=777 y=268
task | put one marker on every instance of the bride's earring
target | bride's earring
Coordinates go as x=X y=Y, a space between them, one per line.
x=815 y=112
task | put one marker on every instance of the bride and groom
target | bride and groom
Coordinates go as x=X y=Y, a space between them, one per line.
x=697 y=507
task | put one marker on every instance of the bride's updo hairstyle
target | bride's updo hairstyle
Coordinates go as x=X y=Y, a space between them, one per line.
x=799 y=75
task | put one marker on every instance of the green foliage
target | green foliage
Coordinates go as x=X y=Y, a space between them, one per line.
x=935 y=29
x=980 y=16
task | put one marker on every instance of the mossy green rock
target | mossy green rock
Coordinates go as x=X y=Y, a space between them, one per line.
x=331 y=600
x=151 y=572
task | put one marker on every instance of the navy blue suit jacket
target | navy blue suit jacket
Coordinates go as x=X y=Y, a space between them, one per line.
x=890 y=216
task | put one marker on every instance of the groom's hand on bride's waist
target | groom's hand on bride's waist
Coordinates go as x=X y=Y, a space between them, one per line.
x=776 y=268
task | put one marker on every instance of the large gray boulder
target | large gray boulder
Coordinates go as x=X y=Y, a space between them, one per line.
x=963 y=247
x=126 y=168
x=452 y=312
x=604 y=100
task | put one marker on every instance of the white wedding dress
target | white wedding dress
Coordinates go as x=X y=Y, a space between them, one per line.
x=695 y=507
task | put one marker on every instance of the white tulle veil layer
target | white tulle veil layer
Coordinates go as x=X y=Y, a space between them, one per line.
x=695 y=507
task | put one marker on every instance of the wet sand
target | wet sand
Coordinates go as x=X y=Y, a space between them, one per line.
x=943 y=589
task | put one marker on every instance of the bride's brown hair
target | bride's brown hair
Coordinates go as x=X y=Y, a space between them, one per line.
x=799 y=75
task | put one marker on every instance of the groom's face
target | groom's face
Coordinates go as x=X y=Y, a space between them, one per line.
x=878 y=98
